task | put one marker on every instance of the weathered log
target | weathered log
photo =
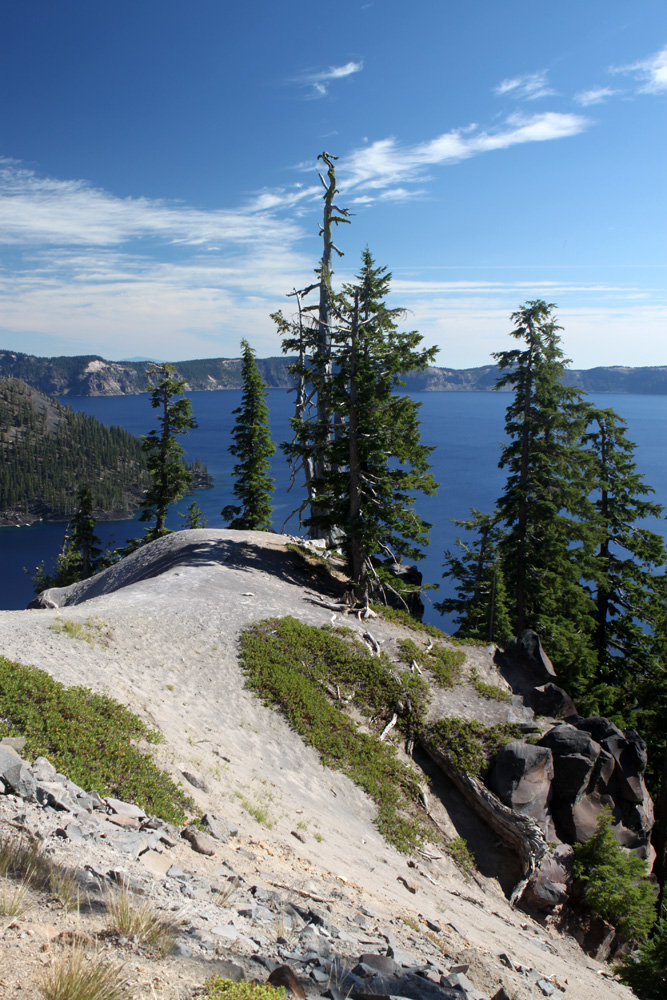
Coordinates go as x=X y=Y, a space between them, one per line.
x=388 y=728
x=521 y=833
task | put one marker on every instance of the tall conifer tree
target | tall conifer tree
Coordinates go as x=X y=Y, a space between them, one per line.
x=375 y=460
x=480 y=603
x=628 y=555
x=315 y=421
x=549 y=541
x=253 y=447
x=169 y=476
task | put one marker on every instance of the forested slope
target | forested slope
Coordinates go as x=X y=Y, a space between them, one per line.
x=49 y=452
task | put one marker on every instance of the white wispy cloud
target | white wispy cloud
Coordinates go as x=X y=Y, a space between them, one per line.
x=320 y=80
x=387 y=164
x=596 y=95
x=86 y=264
x=650 y=72
x=48 y=210
x=529 y=87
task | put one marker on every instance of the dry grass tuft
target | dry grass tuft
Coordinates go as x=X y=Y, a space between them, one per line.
x=134 y=919
x=14 y=899
x=75 y=975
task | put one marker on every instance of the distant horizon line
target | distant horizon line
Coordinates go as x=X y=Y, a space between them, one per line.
x=281 y=357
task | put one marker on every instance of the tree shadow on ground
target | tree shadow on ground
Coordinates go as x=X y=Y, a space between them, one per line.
x=249 y=555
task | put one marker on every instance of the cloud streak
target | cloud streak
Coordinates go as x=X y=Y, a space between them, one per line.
x=319 y=82
x=387 y=164
x=48 y=210
x=651 y=72
x=529 y=87
x=596 y=95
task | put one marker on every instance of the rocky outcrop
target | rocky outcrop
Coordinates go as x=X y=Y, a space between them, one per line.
x=521 y=777
x=91 y=375
x=591 y=774
x=543 y=796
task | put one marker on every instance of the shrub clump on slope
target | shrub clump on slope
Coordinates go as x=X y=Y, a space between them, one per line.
x=615 y=884
x=291 y=665
x=646 y=972
x=89 y=737
x=470 y=746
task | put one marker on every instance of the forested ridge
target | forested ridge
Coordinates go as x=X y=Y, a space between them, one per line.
x=92 y=375
x=49 y=452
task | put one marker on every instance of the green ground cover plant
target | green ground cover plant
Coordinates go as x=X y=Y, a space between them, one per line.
x=399 y=616
x=469 y=746
x=89 y=737
x=226 y=989
x=291 y=665
x=615 y=884
x=490 y=691
x=445 y=664
x=459 y=851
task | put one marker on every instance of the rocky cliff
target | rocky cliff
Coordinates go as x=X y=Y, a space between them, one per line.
x=91 y=375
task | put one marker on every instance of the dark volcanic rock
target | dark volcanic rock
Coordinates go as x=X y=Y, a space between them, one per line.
x=548 y=888
x=526 y=652
x=574 y=755
x=521 y=778
x=552 y=701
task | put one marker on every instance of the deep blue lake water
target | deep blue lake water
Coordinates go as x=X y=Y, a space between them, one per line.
x=466 y=427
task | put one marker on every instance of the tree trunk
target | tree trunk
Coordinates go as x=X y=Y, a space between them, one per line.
x=357 y=555
x=521 y=833
x=522 y=520
x=661 y=839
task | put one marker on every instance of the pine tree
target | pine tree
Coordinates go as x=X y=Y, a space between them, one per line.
x=627 y=557
x=480 y=603
x=81 y=555
x=169 y=476
x=194 y=516
x=646 y=972
x=615 y=882
x=315 y=422
x=549 y=539
x=375 y=461
x=83 y=540
x=253 y=447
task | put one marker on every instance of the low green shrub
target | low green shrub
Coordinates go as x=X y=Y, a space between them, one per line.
x=615 y=884
x=401 y=617
x=459 y=851
x=468 y=745
x=490 y=691
x=445 y=664
x=646 y=972
x=226 y=989
x=291 y=665
x=87 y=736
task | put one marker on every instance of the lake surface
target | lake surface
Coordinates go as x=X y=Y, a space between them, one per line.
x=466 y=427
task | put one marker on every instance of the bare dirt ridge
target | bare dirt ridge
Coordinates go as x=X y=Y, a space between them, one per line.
x=170 y=617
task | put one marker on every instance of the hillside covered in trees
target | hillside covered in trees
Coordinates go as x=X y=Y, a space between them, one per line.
x=49 y=452
x=91 y=375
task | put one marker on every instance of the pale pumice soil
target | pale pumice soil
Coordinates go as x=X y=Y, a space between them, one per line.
x=168 y=629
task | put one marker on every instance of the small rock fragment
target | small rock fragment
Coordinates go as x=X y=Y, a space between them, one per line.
x=200 y=842
x=283 y=976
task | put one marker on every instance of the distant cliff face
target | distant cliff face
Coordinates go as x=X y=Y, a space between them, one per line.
x=91 y=375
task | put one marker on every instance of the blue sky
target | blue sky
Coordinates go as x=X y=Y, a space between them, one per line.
x=158 y=186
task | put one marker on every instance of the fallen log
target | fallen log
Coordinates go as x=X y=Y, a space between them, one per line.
x=521 y=833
